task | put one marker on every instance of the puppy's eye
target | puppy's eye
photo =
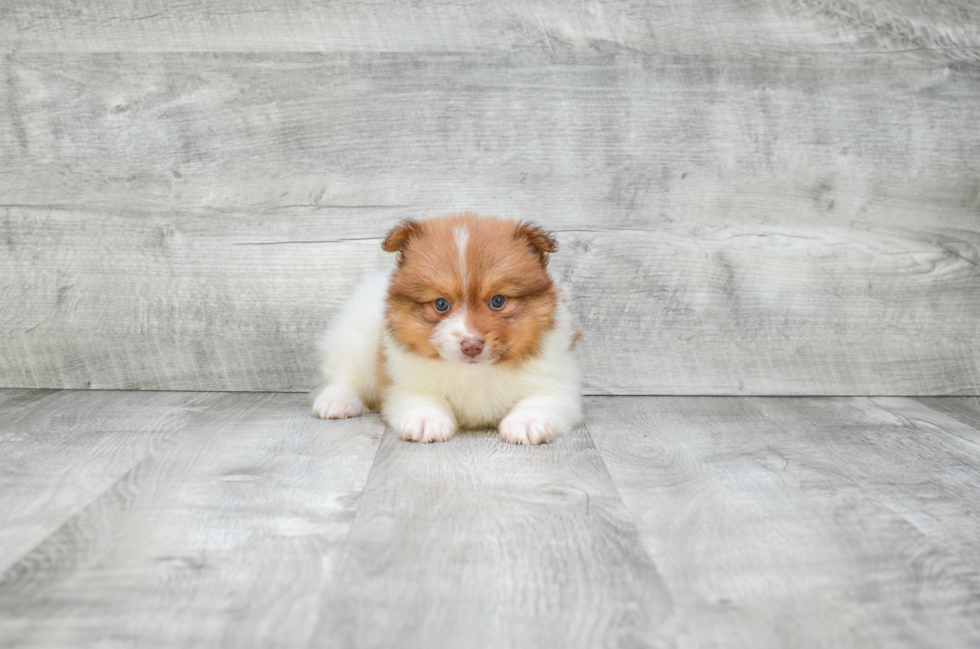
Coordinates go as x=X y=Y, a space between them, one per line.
x=497 y=302
x=441 y=305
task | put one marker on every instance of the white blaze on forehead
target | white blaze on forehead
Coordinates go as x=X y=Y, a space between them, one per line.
x=462 y=235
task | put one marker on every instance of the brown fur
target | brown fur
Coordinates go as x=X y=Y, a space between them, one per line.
x=502 y=256
x=383 y=379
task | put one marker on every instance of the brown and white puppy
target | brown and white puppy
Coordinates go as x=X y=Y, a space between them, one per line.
x=468 y=330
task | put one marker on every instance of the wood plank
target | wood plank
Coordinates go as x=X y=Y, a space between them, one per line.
x=477 y=543
x=799 y=522
x=59 y=451
x=759 y=27
x=19 y=402
x=659 y=139
x=225 y=536
x=963 y=409
x=742 y=310
x=182 y=221
x=917 y=461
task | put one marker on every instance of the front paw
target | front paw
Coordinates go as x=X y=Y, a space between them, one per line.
x=425 y=425
x=527 y=427
x=335 y=402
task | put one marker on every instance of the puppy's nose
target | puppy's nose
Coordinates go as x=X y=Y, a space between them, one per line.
x=471 y=346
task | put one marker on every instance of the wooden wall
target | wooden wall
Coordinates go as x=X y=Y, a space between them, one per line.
x=752 y=197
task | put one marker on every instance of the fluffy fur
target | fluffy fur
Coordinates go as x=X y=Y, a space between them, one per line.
x=473 y=366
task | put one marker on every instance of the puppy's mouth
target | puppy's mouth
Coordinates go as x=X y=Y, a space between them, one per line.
x=482 y=359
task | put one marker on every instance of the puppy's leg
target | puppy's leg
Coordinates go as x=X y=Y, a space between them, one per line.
x=420 y=418
x=349 y=351
x=536 y=420
x=338 y=401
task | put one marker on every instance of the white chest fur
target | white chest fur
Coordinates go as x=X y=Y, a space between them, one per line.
x=481 y=395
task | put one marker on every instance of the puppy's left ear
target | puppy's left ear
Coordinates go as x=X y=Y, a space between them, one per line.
x=538 y=239
x=399 y=235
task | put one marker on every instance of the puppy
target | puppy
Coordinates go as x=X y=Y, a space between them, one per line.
x=468 y=331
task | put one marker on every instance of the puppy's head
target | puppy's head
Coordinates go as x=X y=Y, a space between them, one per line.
x=471 y=289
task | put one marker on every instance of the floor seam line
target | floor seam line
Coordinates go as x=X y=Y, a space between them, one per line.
x=344 y=557
x=102 y=493
x=912 y=422
x=952 y=415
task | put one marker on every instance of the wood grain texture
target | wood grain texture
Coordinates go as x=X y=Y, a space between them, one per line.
x=689 y=522
x=224 y=536
x=802 y=522
x=349 y=134
x=758 y=27
x=60 y=451
x=916 y=461
x=964 y=409
x=801 y=224
x=477 y=543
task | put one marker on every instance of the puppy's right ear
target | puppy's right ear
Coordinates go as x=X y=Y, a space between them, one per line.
x=400 y=234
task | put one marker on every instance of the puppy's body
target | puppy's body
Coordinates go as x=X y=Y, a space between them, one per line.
x=474 y=364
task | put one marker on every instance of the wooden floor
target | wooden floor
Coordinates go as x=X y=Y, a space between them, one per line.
x=179 y=519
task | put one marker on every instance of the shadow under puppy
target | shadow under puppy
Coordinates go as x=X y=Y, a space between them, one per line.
x=468 y=331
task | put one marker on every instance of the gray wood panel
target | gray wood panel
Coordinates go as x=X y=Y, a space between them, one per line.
x=58 y=452
x=757 y=27
x=17 y=403
x=665 y=521
x=478 y=543
x=225 y=535
x=964 y=409
x=917 y=462
x=596 y=140
x=802 y=522
x=801 y=224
